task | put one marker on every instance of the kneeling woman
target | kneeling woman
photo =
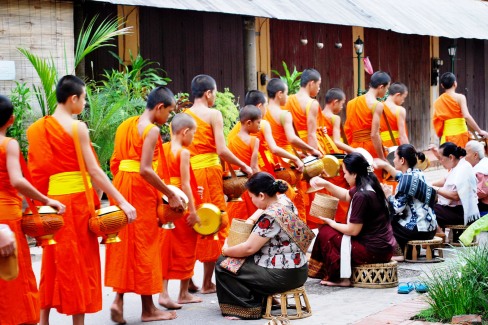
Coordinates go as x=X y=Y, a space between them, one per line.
x=413 y=217
x=273 y=258
x=458 y=201
x=367 y=236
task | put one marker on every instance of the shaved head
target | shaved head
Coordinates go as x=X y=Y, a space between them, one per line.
x=249 y=112
x=182 y=121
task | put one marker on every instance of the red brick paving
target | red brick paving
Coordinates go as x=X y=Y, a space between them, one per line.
x=398 y=314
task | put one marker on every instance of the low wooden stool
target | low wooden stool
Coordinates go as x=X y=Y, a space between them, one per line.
x=375 y=276
x=456 y=231
x=414 y=246
x=302 y=305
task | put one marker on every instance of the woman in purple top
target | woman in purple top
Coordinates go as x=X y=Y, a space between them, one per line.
x=367 y=237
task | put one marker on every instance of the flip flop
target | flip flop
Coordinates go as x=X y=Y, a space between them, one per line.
x=405 y=287
x=420 y=287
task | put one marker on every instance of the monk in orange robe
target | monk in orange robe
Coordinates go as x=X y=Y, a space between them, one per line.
x=331 y=121
x=451 y=114
x=281 y=124
x=207 y=146
x=396 y=116
x=267 y=143
x=134 y=265
x=70 y=273
x=178 y=245
x=245 y=147
x=363 y=115
x=19 y=298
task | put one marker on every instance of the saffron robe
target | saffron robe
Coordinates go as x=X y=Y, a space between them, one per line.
x=134 y=265
x=339 y=180
x=299 y=116
x=19 y=298
x=245 y=208
x=177 y=245
x=446 y=108
x=301 y=199
x=392 y=117
x=70 y=273
x=209 y=249
x=357 y=126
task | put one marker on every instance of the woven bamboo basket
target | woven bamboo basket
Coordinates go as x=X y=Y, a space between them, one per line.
x=324 y=205
x=108 y=224
x=43 y=225
x=168 y=216
x=313 y=167
x=380 y=275
x=234 y=185
x=239 y=232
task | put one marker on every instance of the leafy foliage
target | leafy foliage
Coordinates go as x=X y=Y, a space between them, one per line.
x=182 y=102
x=292 y=80
x=226 y=103
x=120 y=95
x=461 y=287
x=20 y=98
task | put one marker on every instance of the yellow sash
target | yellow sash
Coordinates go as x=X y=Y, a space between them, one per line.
x=176 y=181
x=204 y=160
x=385 y=135
x=454 y=126
x=134 y=166
x=67 y=183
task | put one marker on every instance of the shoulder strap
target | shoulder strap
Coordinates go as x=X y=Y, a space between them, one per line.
x=374 y=106
x=194 y=188
x=146 y=130
x=282 y=117
x=81 y=163
x=252 y=143
x=389 y=129
x=309 y=105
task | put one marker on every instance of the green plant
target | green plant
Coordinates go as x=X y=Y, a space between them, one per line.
x=226 y=103
x=461 y=290
x=120 y=95
x=182 y=103
x=88 y=41
x=292 y=80
x=20 y=98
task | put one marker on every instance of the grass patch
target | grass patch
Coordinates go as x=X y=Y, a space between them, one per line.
x=460 y=287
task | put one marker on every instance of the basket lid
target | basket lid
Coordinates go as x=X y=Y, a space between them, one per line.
x=309 y=159
x=365 y=154
x=45 y=209
x=178 y=192
x=209 y=215
x=331 y=165
x=109 y=209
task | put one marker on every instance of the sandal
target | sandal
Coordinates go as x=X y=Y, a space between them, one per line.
x=420 y=287
x=405 y=287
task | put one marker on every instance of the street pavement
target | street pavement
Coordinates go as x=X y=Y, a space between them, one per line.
x=331 y=306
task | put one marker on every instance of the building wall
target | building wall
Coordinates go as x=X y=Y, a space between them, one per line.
x=188 y=43
x=45 y=27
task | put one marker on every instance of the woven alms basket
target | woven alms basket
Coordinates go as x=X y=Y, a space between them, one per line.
x=166 y=215
x=108 y=224
x=313 y=167
x=239 y=232
x=43 y=225
x=324 y=205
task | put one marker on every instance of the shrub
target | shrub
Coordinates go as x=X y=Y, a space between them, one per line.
x=227 y=105
x=20 y=98
x=460 y=287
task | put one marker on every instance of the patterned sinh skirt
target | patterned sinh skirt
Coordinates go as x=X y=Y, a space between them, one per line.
x=242 y=295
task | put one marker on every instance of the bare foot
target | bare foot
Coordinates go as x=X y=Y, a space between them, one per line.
x=342 y=283
x=232 y=318
x=157 y=314
x=192 y=287
x=167 y=303
x=189 y=299
x=117 y=314
x=210 y=289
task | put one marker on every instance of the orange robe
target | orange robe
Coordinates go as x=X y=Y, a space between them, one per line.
x=134 y=265
x=245 y=208
x=301 y=198
x=339 y=180
x=392 y=118
x=70 y=274
x=19 y=298
x=210 y=177
x=357 y=126
x=178 y=244
x=447 y=108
